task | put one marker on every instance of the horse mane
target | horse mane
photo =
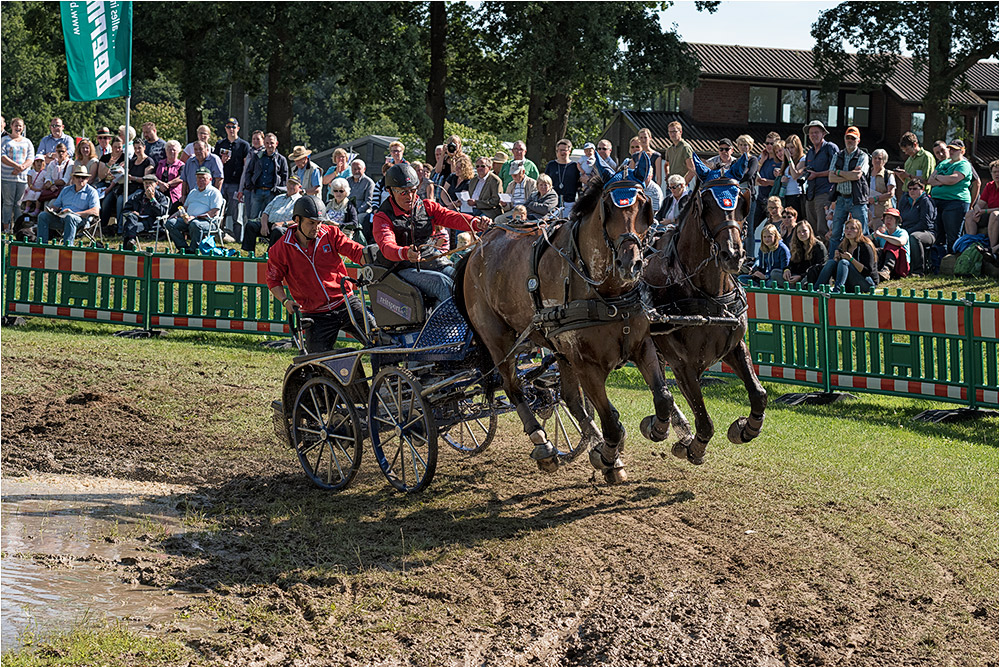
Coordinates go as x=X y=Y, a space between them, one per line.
x=591 y=197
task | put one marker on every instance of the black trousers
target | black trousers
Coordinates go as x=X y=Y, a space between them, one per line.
x=323 y=333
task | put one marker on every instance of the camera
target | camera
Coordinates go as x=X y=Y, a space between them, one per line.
x=452 y=147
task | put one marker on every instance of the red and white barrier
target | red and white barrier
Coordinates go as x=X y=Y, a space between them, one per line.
x=78 y=260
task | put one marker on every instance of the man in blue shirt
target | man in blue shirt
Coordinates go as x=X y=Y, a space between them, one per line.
x=201 y=213
x=74 y=204
x=201 y=158
x=818 y=158
x=266 y=176
x=56 y=137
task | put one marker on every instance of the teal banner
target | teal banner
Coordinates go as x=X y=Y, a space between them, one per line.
x=98 y=38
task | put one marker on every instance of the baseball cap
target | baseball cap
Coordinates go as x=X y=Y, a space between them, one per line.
x=203 y=170
x=589 y=145
x=149 y=177
x=892 y=212
x=295 y=179
x=232 y=121
x=725 y=142
x=853 y=132
x=957 y=143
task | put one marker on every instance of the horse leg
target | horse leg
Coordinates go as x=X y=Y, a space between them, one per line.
x=745 y=429
x=693 y=448
x=656 y=427
x=572 y=394
x=606 y=458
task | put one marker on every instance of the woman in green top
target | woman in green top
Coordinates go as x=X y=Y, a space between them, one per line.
x=950 y=192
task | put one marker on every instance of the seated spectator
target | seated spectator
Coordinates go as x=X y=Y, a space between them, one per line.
x=772 y=258
x=586 y=162
x=484 y=190
x=156 y=148
x=111 y=174
x=86 y=157
x=202 y=157
x=58 y=174
x=544 y=201
x=894 y=247
x=200 y=214
x=168 y=173
x=854 y=263
x=104 y=137
x=309 y=173
x=342 y=212
x=56 y=138
x=807 y=255
x=139 y=165
x=339 y=169
x=36 y=182
x=70 y=210
x=918 y=217
x=140 y=212
x=520 y=190
x=950 y=192
x=881 y=187
x=789 y=219
x=17 y=156
x=499 y=160
x=202 y=134
x=270 y=226
x=127 y=138
x=519 y=214
x=670 y=210
x=982 y=218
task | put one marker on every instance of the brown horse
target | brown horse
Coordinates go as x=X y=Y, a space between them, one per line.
x=574 y=290
x=701 y=309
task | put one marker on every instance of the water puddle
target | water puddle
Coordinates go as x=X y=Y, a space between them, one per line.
x=63 y=541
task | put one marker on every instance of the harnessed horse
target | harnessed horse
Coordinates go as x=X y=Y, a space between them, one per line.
x=574 y=289
x=700 y=310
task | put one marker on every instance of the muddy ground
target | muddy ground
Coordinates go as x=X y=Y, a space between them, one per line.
x=496 y=563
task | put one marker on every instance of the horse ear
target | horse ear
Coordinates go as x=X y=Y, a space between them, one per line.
x=700 y=168
x=604 y=169
x=641 y=167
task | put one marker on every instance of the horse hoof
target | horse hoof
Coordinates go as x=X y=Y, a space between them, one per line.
x=548 y=465
x=596 y=460
x=615 y=476
x=648 y=429
x=735 y=433
x=680 y=450
x=697 y=461
x=544 y=451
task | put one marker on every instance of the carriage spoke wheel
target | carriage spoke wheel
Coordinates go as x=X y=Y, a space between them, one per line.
x=476 y=431
x=327 y=434
x=403 y=431
x=564 y=431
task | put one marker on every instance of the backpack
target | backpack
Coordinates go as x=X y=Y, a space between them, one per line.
x=970 y=262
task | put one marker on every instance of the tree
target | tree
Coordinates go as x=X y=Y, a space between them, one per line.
x=946 y=38
x=436 y=82
x=561 y=52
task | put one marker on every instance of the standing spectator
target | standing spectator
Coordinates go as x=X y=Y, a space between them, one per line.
x=818 y=158
x=200 y=211
x=267 y=176
x=770 y=169
x=795 y=164
x=917 y=217
x=656 y=171
x=894 y=247
x=256 y=148
x=168 y=173
x=849 y=175
x=919 y=163
x=86 y=156
x=881 y=186
x=103 y=147
x=202 y=158
x=458 y=182
x=565 y=176
x=680 y=154
x=772 y=258
x=853 y=264
x=141 y=210
x=279 y=210
x=744 y=146
x=396 y=150
x=445 y=162
x=950 y=192
x=604 y=151
x=807 y=255
x=380 y=193
x=437 y=178
x=16 y=155
x=156 y=148
x=233 y=152
x=56 y=138
x=940 y=152
x=339 y=169
x=202 y=134
x=724 y=159
x=75 y=204
x=309 y=173
x=544 y=201
x=127 y=138
x=484 y=190
x=362 y=189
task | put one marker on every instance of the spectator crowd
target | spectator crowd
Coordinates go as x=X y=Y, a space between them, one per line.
x=821 y=211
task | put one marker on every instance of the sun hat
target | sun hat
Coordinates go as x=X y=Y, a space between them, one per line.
x=298 y=153
x=815 y=124
x=500 y=156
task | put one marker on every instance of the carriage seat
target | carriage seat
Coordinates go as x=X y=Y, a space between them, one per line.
x=394 y=302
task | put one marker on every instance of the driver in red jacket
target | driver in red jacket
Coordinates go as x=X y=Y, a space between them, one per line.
x=308 y=260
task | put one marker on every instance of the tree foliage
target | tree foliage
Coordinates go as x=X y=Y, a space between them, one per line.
x=946 y=39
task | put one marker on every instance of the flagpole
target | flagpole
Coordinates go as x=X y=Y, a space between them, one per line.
x=128 y=112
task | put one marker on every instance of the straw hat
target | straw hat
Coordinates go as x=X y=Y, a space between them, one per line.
x=298 y=153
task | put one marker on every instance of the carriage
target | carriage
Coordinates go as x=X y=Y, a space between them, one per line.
x=416 y=380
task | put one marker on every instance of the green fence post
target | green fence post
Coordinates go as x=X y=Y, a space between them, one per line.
x=970 y=347
x=147 y=279
x=823 y=301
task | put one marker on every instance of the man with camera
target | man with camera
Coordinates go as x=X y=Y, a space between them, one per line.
x=233 y=151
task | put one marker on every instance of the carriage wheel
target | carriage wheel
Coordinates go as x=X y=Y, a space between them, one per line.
x=473 y=435
x=327 y=434
x=404 y=435
x=564 y=432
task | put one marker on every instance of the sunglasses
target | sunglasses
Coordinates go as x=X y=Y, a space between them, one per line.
x=725 y=148
x=677 y=187
x=770 y=143
x=232 y=127
x=340 y=191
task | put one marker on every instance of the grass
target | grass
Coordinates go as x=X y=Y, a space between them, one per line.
x=90 y=644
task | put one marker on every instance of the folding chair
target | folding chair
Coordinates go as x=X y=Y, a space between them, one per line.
x=88 y=227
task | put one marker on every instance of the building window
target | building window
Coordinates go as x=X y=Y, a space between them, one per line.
x=763 y=104
x=856 y=110
x=794 y=106
x=992 y=124
x=823 y=107
x=917 y=125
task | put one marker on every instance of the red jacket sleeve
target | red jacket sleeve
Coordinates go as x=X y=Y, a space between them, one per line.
x=385 y=237
x=276 y=266
x=445 y=217
x=346 y=246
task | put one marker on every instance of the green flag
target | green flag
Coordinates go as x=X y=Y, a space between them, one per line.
x=98 y=38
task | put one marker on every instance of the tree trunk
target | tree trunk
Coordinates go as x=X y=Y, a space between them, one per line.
x=936 y=101
x=191 y=90
x=279 y=95
x=535 y=139
x=557 y=121
x=436 y=109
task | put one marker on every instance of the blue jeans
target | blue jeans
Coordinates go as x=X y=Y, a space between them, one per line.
x=846 y=206
x=951 y=218
x=846 y=275
x=229 y=191
x=11 y=196
x=69 y=225
x=197 y=229
x=259 y=199
x=435 y=284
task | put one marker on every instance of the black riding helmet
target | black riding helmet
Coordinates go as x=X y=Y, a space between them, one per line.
x=401 y=176
x=309 y=206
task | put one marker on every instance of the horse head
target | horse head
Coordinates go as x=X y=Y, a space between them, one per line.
x=722 y=208
x=625 y=215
